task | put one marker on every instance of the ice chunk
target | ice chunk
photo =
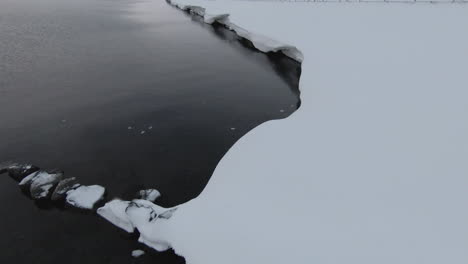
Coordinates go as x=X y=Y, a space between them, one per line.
x=85 y=196
x=149 y=194
x=63 y=187
x=114 y=212
x=137 y=253
x=43 y=182
x=17 y=170
x=25 y=183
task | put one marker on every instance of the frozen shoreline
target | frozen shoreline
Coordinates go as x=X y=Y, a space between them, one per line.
x=260 y=42
x=351 y=177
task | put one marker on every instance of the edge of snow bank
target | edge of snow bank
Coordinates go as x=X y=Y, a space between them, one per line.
x=260 y=42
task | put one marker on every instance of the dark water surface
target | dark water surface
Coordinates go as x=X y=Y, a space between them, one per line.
x=75 y=75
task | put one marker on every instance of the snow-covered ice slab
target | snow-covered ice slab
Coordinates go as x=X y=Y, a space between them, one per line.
x=115 y=212
x=40 y=184
x=85 y=196
x=137 y=213
x=143 y=215
x=371 y=169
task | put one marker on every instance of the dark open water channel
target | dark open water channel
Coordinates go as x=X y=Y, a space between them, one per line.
x=75 y=75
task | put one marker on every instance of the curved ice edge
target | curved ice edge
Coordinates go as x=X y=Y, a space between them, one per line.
x=260 y=42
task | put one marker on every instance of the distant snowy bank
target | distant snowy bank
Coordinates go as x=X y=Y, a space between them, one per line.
x=259 y=41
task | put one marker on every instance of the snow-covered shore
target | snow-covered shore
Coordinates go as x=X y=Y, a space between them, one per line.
x=371 y=169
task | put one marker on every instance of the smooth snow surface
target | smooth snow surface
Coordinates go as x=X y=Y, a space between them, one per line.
x=85 y=196
x=371 y=169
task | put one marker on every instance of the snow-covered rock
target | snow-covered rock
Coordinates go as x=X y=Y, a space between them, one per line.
x=17 y=170
x=25 y=183
x=85 y=196
x=137 y=253
x=63 y=187
x=43 y=183
x=115 y=212
x=149 y=194
x=39 y=184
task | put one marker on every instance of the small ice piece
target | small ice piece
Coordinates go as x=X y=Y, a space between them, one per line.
x=17 y=171
x=130 y=128
x=142 y=132
x=282 y=111
x=137 y=253
x=85 y=196
x=43 y=182
x=149 y=194
x=63 y=187
x=233 y=128
x=64 y=120
x=150 y=127
x=114 y=212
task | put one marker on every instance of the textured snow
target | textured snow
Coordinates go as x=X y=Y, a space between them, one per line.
x=114 y=212
x=85 y=196
x=371 y=169
x=149 y=194
x=137 y=253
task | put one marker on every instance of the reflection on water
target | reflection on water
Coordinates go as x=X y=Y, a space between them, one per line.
x=126 y=94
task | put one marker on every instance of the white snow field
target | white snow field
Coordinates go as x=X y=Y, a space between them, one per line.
x=373 y=168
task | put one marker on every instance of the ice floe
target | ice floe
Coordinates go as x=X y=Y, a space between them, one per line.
x=85 y=197
x=115 y=212
x=139 y=214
